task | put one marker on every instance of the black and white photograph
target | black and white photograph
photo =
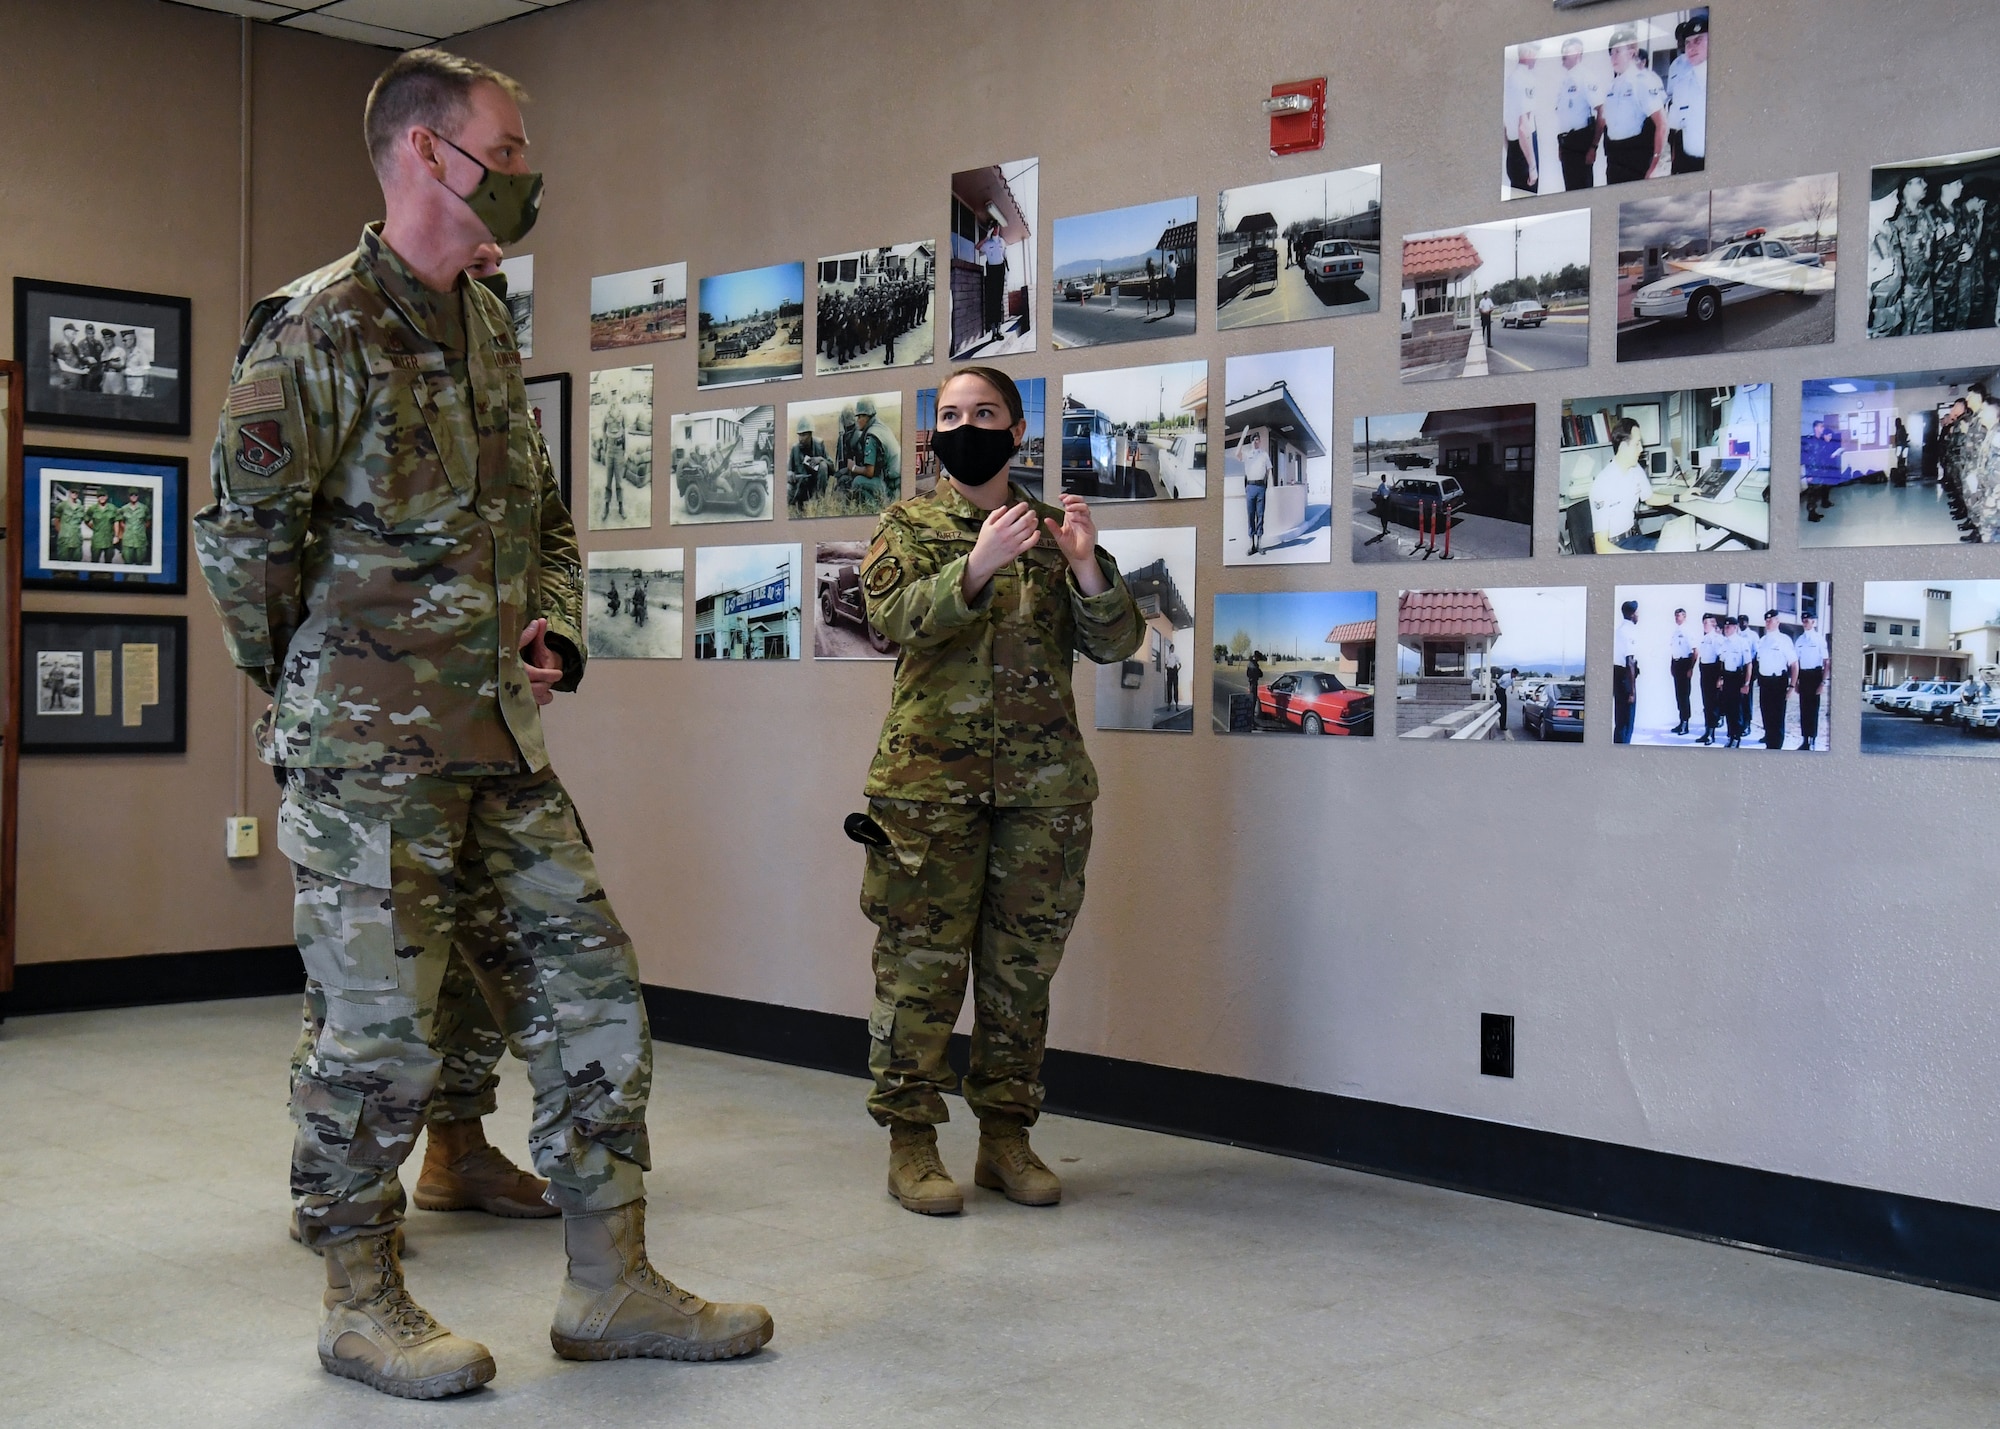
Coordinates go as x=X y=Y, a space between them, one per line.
x=752 y=326
x=1452 y=484
x=746 y=603
x=1293 y=662
x=1136 y=433
x=875 y=309
x=103 y=684
x=519 y=275
x=1495 y=664
x=1030 y=461
x=845 y=456
x=1728 y=270
x=995 y=223
x=1930 y=668
x=1125 y=275
x=1299 y=248
x=722 y=465
x=1494 y=299
x=1150 y=690
x=633 y=609
x=621 y=448
x=1681 y=470
x=1900 y=459
x=110 y=521
x=638 y=307
x=1723 y=666
x=1611 y=105
x=549 y=407
x=102 y=358
x=842 y=631
x=1277 y=464
x=1934 y=244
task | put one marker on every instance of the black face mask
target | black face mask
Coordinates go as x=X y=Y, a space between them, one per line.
x=973 y=455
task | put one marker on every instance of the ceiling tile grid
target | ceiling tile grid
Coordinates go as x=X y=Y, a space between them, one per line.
x=391 y=24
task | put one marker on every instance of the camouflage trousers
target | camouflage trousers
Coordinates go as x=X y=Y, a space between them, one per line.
x=384 y=867
x=966 y=890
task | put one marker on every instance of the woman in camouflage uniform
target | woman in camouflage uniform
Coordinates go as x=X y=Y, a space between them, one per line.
x=980 y=788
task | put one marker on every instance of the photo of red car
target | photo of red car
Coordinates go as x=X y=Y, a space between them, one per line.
x=1316 y=702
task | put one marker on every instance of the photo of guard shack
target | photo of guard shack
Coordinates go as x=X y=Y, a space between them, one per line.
x=1456 y=484
x=1291 y=249
x=994 y=225
x=1496 y=664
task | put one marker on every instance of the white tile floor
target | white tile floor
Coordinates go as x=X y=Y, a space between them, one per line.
x=145 y=1277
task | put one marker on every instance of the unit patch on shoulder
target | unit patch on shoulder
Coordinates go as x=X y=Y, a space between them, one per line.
x=266 y=394
x=883 y=576
x=261 y=448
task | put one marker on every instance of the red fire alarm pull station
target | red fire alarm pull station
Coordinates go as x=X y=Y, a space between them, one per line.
x=1298 y=116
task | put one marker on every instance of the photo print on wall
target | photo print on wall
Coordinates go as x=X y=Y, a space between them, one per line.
x=108 y=521
x=634 y=604
x=1501 y=663
x=722 y=465
x=103 y=358
x=994 y=225
x=1456 y=484
x=1294 y=662
x=843 y=631
x=1930 y=668
x=621 y=448
x=1728 y=270
x=1149 y=691
x=1722 y=666
x=1495 y=299
x=1030 y=464
x=746 y=603
x=752 y=326
x=1610 y=105
x=1934 y=244
x=1277 y=466
x=634 y=308
x=846 y=455
x=1306 y=247
x=875 y=308
x=1125 y=275
x=519 y=275
x=549 y=407
x=1684 y=470
x=1902 y=459
x=1136 y=433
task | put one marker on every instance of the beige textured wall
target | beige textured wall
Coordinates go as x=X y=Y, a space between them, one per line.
x=119 y=167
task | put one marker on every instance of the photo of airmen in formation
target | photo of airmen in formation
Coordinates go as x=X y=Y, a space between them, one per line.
x=1683 y=470
x=1030 y=462
x=91 y=522
x=1611 y=105
x=58 y=682
x=104 y=357
x=1125 y=275
x=752 y=326
x=1446 y=485
x=846 y=455
x=875 y=308
x=1728 y=270
x=1930 y=668
x=723 y=465
x=633 y=604
x=994 y=224
x=1723 y=666
x=1901 y=459
x=1292 y=249
x=641 y=306
x=1497 y=298
x=1934 y=245
x=621 y=448
x=1503 y=664
x=1294 y=662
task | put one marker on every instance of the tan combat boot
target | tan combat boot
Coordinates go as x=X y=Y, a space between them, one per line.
x=462 y=1173
x=615 y=1306
x=374 y=1332
x=917 y=1177
x=1009 y=1165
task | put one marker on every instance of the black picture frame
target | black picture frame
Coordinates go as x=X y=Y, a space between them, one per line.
x=67 y=661
x=155 y=395
x=549 y=395
x=48 y=471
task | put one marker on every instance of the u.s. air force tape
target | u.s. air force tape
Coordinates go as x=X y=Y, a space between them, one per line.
x=884 y=576
x=266 y=394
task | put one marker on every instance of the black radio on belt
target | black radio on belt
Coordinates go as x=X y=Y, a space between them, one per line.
x=864 y=830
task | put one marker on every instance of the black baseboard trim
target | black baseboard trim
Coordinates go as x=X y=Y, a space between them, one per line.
x=1934 y=1243
x=90 y=984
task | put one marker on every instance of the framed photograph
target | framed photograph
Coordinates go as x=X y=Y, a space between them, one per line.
x=1126 y=274
x=1930 y=668
x=1933 y=242
x=634 y=604
x=1159 y=568
x=995 y=221
x=746 y=602
x=1294 y=662
x=875 y=308
x=721 y=465
x=1136 y=433
x=103 y=684
x=1894 y=459
x=103 y=521
x=1728 y=666
x=1503 y=663
x=548 y=403
x=1495 y=299
x=1445 y=483
x=634 y=308
x=621 y=449
x=832 y=468
x=1305 y=247
x=753 y=326
x=1685 y=470
x=103 y=358
x=1277 y=464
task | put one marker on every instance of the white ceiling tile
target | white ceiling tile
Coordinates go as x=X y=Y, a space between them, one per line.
x=353 y=30
x=428 y=17
x=255 y=9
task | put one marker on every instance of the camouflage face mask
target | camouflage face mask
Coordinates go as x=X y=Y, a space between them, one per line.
x=508 y=204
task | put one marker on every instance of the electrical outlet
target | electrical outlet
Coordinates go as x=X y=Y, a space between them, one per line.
x=1496 y=1044
x=240 y=838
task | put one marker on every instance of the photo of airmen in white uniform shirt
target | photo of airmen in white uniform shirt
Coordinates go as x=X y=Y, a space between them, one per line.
x=1609 y=105
x=1685 y=470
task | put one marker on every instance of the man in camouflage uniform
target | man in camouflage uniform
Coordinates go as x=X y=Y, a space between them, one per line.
x=1913 y=235
x=614 y=457
x=867 y=458
x=393 y=563
x=69 y=526
x=805 y=467
x=135 y=537
x=101 y=520
x=982 y=791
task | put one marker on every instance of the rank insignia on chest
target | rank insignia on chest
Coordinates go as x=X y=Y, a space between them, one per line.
x=884 y=576
x=261 y=447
